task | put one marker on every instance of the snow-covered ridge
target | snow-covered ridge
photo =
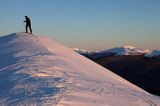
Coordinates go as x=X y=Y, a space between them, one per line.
x=37 y=71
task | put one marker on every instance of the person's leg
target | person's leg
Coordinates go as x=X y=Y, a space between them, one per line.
x=30 y=29
x=26 y=29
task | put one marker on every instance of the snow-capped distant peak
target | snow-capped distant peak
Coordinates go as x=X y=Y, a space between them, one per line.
x=82 y=51
x=153 y=53
x=129 y=47
x=126 y=50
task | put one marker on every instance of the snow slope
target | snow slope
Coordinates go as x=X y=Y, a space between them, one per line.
x=40 y=72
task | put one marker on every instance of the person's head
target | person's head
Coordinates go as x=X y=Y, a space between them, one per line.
x=26 y=16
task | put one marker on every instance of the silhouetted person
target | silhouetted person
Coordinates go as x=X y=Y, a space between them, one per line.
x=28 y=24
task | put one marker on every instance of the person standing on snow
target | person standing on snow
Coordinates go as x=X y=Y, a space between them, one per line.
x=28 y=24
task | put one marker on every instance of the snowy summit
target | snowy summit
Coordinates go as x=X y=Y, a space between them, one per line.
x=40 y=72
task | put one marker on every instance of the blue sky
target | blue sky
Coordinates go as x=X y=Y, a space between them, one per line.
x=87 y=24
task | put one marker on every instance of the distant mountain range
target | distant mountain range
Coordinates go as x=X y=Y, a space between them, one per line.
x=139 y=66
x=121 y=51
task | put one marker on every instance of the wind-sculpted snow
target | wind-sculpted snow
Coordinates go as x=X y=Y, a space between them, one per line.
x=36 y=71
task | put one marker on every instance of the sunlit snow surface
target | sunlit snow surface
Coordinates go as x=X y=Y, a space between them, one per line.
x=36 y=71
